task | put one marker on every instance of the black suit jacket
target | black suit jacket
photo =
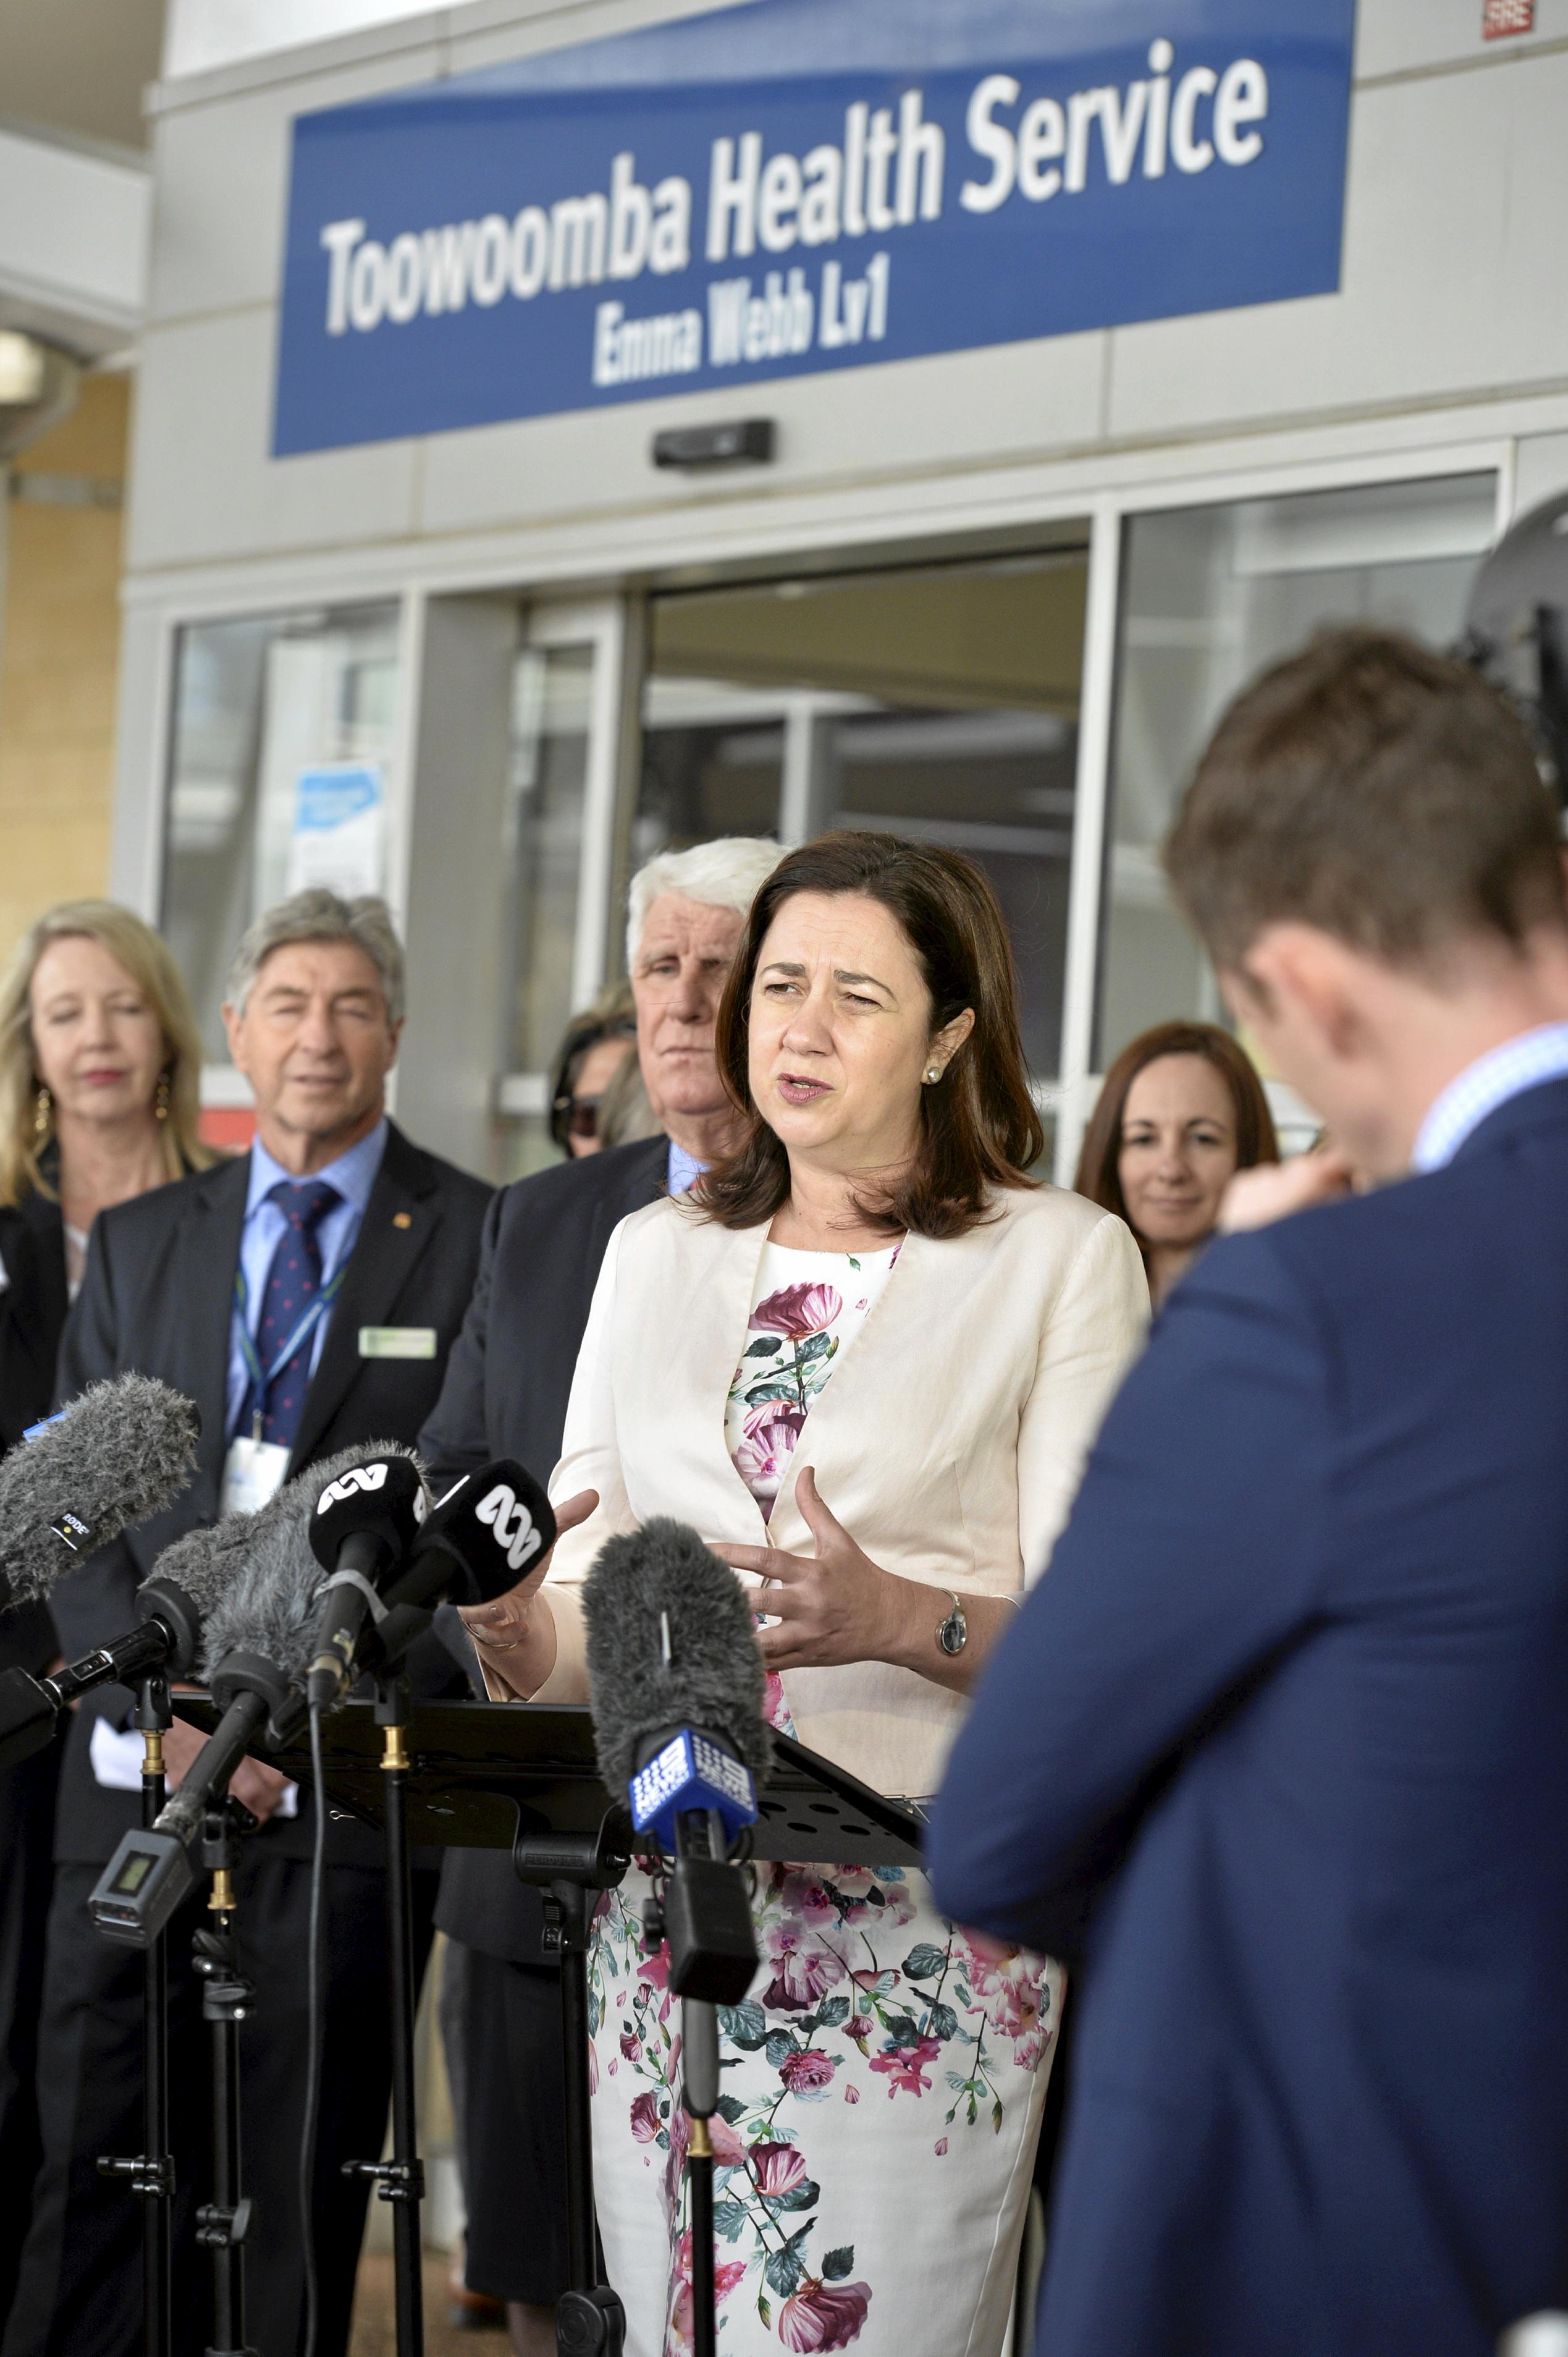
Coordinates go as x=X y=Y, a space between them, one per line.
x=508 y=1382
x=156 y=1301
x=32 y=1311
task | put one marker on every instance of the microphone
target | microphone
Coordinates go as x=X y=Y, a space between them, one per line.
x=676 y=1685
x=364 y=1526
x=121 y=1452
x=478 y=1542
x=257 y=1640
x=171 y=1607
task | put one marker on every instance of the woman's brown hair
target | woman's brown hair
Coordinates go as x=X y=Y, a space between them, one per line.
x=1097 y=1176
x=979 y=1129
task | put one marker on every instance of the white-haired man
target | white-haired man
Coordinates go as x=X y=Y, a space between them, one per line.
x=505 y=1395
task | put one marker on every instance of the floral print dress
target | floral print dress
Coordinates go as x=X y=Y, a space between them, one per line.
x=884 y=2079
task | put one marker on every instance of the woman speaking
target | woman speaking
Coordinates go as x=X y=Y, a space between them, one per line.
x=865 y=1358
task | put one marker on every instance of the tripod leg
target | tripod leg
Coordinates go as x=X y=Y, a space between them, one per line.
x=407 y=2185
x=580 y=2248
x=157 y=2186
x=699 y=2093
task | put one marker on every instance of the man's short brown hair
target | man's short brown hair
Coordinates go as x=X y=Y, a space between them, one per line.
x=1375 y=790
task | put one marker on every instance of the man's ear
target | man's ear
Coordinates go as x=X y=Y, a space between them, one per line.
x=1296 y=971
x=233 y=1026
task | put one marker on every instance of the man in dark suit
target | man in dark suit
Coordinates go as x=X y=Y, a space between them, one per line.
x=1283 y=1725
x=505 y=1395
x=305 y=1296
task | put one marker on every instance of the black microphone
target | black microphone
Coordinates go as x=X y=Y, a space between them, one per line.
x=363 y=1532
x=258 y=1636
x=476 y=1544
x=676 y=1683
x=169 y=1607
x=122 y=1451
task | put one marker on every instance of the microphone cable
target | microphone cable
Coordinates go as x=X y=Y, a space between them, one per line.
x=312 y=2040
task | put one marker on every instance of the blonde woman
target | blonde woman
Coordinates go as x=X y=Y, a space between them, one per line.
x=99 y=1061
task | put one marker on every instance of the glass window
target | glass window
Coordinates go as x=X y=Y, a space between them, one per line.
x=939 y=703
x=1210 y=595
x=551 y=720
x=281 y=742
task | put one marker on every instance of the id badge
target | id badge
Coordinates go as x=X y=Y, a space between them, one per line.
x=252 y=1472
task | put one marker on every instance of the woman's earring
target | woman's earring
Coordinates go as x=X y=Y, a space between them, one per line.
x=161 y=1098
x=933 y=1074
x=43 y=1110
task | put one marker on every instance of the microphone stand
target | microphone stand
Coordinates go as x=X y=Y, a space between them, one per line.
x=700 y=2097
x=400 y=2180
x=590 y=2321
x=221 y=2224
x=151 y=2174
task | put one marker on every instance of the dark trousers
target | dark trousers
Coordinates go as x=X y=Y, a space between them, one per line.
x=26 y=1877
x=501 y=2032
x=80 y=2291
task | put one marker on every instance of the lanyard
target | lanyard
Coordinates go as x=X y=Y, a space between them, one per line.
x=264 y=1378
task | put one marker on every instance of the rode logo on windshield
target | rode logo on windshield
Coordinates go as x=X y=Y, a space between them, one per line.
x=512 y=1524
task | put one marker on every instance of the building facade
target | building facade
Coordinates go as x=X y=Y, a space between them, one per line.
x=415 y=615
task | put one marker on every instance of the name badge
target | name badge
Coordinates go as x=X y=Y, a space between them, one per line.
x=397 y=1341
x=252 y=1472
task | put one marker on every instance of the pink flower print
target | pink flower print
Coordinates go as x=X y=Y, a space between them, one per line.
x=805 y=1899
x=775 y=1710
x=1009 y=1992
x=803 y=1968
x=778 y=2169
x=863 y=1305
x=630 y=2045
x=645 y=2118
x=851 y=2093
x=807 y=2075
x=593 y=2070
x=823 y=2314
x=941 y=2147
x=797 y=1311
x=906 y=2066
x=767 y=1443
x=726 y=2274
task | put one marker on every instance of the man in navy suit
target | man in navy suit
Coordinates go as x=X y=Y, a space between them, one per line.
x=1278 y=1751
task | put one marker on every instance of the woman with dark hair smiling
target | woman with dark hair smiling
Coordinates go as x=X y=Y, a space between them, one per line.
x=1182 y=1110
x=865 y=1358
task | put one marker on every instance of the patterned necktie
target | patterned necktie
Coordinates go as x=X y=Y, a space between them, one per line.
x=294 y=1282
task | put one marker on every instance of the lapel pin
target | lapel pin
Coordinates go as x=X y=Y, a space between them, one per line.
x=402 y=1219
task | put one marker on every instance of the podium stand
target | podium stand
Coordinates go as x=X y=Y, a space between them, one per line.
x=522 y=1777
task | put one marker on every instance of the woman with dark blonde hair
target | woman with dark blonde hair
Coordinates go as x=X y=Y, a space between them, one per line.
x=100 y=1064
x=865 y=1357
x=1182 y=1110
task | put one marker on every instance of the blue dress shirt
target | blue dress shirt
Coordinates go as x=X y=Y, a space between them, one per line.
x=353 y=1174
x=684 y=1169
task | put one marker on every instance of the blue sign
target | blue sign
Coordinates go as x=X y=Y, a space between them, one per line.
x=793 y=186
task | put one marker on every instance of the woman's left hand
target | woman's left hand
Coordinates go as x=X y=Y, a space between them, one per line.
x=835 y=1607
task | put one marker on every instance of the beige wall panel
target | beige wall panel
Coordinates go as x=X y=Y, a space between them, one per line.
x=1402 y=35
x=1453 y=280
x=860 y=423
x=1540 y=470
x=59 y=646
x=222 y=180
x=204 y=486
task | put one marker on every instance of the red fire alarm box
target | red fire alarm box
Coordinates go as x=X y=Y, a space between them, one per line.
x=1500 y=17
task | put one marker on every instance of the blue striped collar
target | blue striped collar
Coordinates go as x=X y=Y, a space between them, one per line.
x=1524 y=1062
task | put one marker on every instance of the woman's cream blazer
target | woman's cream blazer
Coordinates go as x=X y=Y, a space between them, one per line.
x=949 y=1441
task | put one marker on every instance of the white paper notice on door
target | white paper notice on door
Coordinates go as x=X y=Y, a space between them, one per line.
x=339 y=829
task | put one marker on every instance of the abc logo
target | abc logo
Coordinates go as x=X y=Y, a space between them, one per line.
x=349 y=1485
x=513 y=1524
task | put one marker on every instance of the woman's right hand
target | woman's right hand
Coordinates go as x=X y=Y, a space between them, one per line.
x=516 y=1645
